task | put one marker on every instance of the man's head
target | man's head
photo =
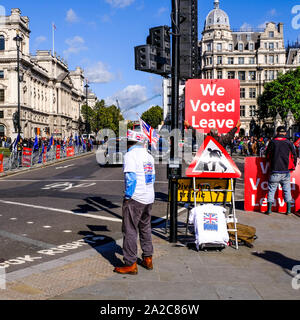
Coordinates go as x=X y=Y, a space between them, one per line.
x=134 y=137
x=214 y=132
x=281 y=130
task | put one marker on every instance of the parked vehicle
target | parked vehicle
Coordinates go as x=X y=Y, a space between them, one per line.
x=112 y=152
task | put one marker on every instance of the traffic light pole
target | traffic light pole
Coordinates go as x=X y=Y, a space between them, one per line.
x=174 y=115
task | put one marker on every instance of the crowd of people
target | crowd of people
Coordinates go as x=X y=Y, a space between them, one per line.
x=249 y=146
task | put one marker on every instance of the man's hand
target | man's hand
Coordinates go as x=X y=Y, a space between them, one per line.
x=238 y=125
x=186 y=123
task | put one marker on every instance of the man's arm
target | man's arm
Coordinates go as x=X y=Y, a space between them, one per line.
x=230 y=135
x=130 y=184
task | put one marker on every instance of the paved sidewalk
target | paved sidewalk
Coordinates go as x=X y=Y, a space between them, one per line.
x=180 y=272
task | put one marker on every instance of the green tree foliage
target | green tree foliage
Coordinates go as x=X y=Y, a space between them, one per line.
x=103 y=117
x=153 y=116
x=281 y=95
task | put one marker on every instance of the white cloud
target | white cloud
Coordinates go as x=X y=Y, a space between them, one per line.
x=71 y=16
x=273 y=12
x=161 y=11
x=262 y=25
x=128 y=97
x=246 y=26
x=76 y=45
x=98 y=73
x=39 y=40
x=120 y=3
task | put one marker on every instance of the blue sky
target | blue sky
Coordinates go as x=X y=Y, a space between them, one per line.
x=100 y=36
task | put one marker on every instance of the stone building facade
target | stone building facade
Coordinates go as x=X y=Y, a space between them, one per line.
x=51 y=95
x=252 y=56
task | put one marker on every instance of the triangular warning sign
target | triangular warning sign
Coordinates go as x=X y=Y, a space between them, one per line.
x=213 y=161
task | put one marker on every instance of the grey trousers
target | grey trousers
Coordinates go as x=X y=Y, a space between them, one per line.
x=136 y=220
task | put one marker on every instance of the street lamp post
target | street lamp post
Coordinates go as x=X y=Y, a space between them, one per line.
x=18 y=40
x=87 y=109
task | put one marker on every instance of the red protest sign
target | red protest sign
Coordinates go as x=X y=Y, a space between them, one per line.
x=57 y=152
x=212 y=161
x=256 y=187
x=70 y=151
x=1 y=163
x=26 y=157
x=212 y=104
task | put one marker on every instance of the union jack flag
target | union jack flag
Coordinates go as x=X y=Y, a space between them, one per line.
x=210 y=222
x=150 y=133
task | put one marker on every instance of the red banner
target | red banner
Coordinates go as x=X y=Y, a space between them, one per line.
x=1 y=163
x=256 y=187
x=70 y=151
x=212 y=104
x=57 y=152
x=45 y=154
x=26 y=157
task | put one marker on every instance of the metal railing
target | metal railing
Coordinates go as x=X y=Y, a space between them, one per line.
x=37 y=158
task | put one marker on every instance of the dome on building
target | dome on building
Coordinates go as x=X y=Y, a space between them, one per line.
x=217 y=16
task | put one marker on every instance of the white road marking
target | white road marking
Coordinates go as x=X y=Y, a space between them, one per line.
x=13 y=219
x=71 y=180
x=47 y=227
x=62 y=211
x=64 y=167
x=67 y=231
x=30 y=222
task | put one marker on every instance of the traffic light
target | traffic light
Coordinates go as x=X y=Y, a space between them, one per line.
x=145 y=58
x=189 y=49
x=155 y=57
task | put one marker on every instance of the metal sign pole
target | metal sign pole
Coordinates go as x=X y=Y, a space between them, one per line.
x=174 y=113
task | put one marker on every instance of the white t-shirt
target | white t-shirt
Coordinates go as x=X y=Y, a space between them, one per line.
x=139 y=161
x=210 y=224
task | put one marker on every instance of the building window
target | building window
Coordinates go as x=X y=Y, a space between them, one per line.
x=252 y=93
x=252 y=75
x=252 y=111
x=241 y=60
x=242 y=75
x=271 y=45
x=210 y=60
x=271 y=59
x=271 y=34
x=248 y=37
x=241 y=47
x=243 y=111
x=272 y=75
x=1 y=74
x=266 y=75
x=2 y=95
x=209 y=47
x=277 y=59
x=251 y=46
x=266 y=45
x=219 y=47
x=220 y=74
x=239 y=37
x=230 y=47
x=2 y=43
x=230 y=60
x=252 y=60
x=2 y=131
x=219 y=60
x=243 y=93
x=266 y=59
x=230 y=74
x=1 y=114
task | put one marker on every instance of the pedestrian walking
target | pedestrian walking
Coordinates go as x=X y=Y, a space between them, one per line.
x=282 y=156
x=139 y=197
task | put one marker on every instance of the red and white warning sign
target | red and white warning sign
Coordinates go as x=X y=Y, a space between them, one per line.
x=213 y=161
x=212 y=104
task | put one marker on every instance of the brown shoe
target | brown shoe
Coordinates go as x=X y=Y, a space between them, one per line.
x=147 y=263
x=127 y=269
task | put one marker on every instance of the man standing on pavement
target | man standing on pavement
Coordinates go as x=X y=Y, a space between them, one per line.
x=282 y=156
x=139 y=197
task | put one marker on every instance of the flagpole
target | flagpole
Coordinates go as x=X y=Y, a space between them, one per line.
x=53 y=40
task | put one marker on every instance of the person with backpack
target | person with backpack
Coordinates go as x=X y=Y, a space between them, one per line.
x=282 y=156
